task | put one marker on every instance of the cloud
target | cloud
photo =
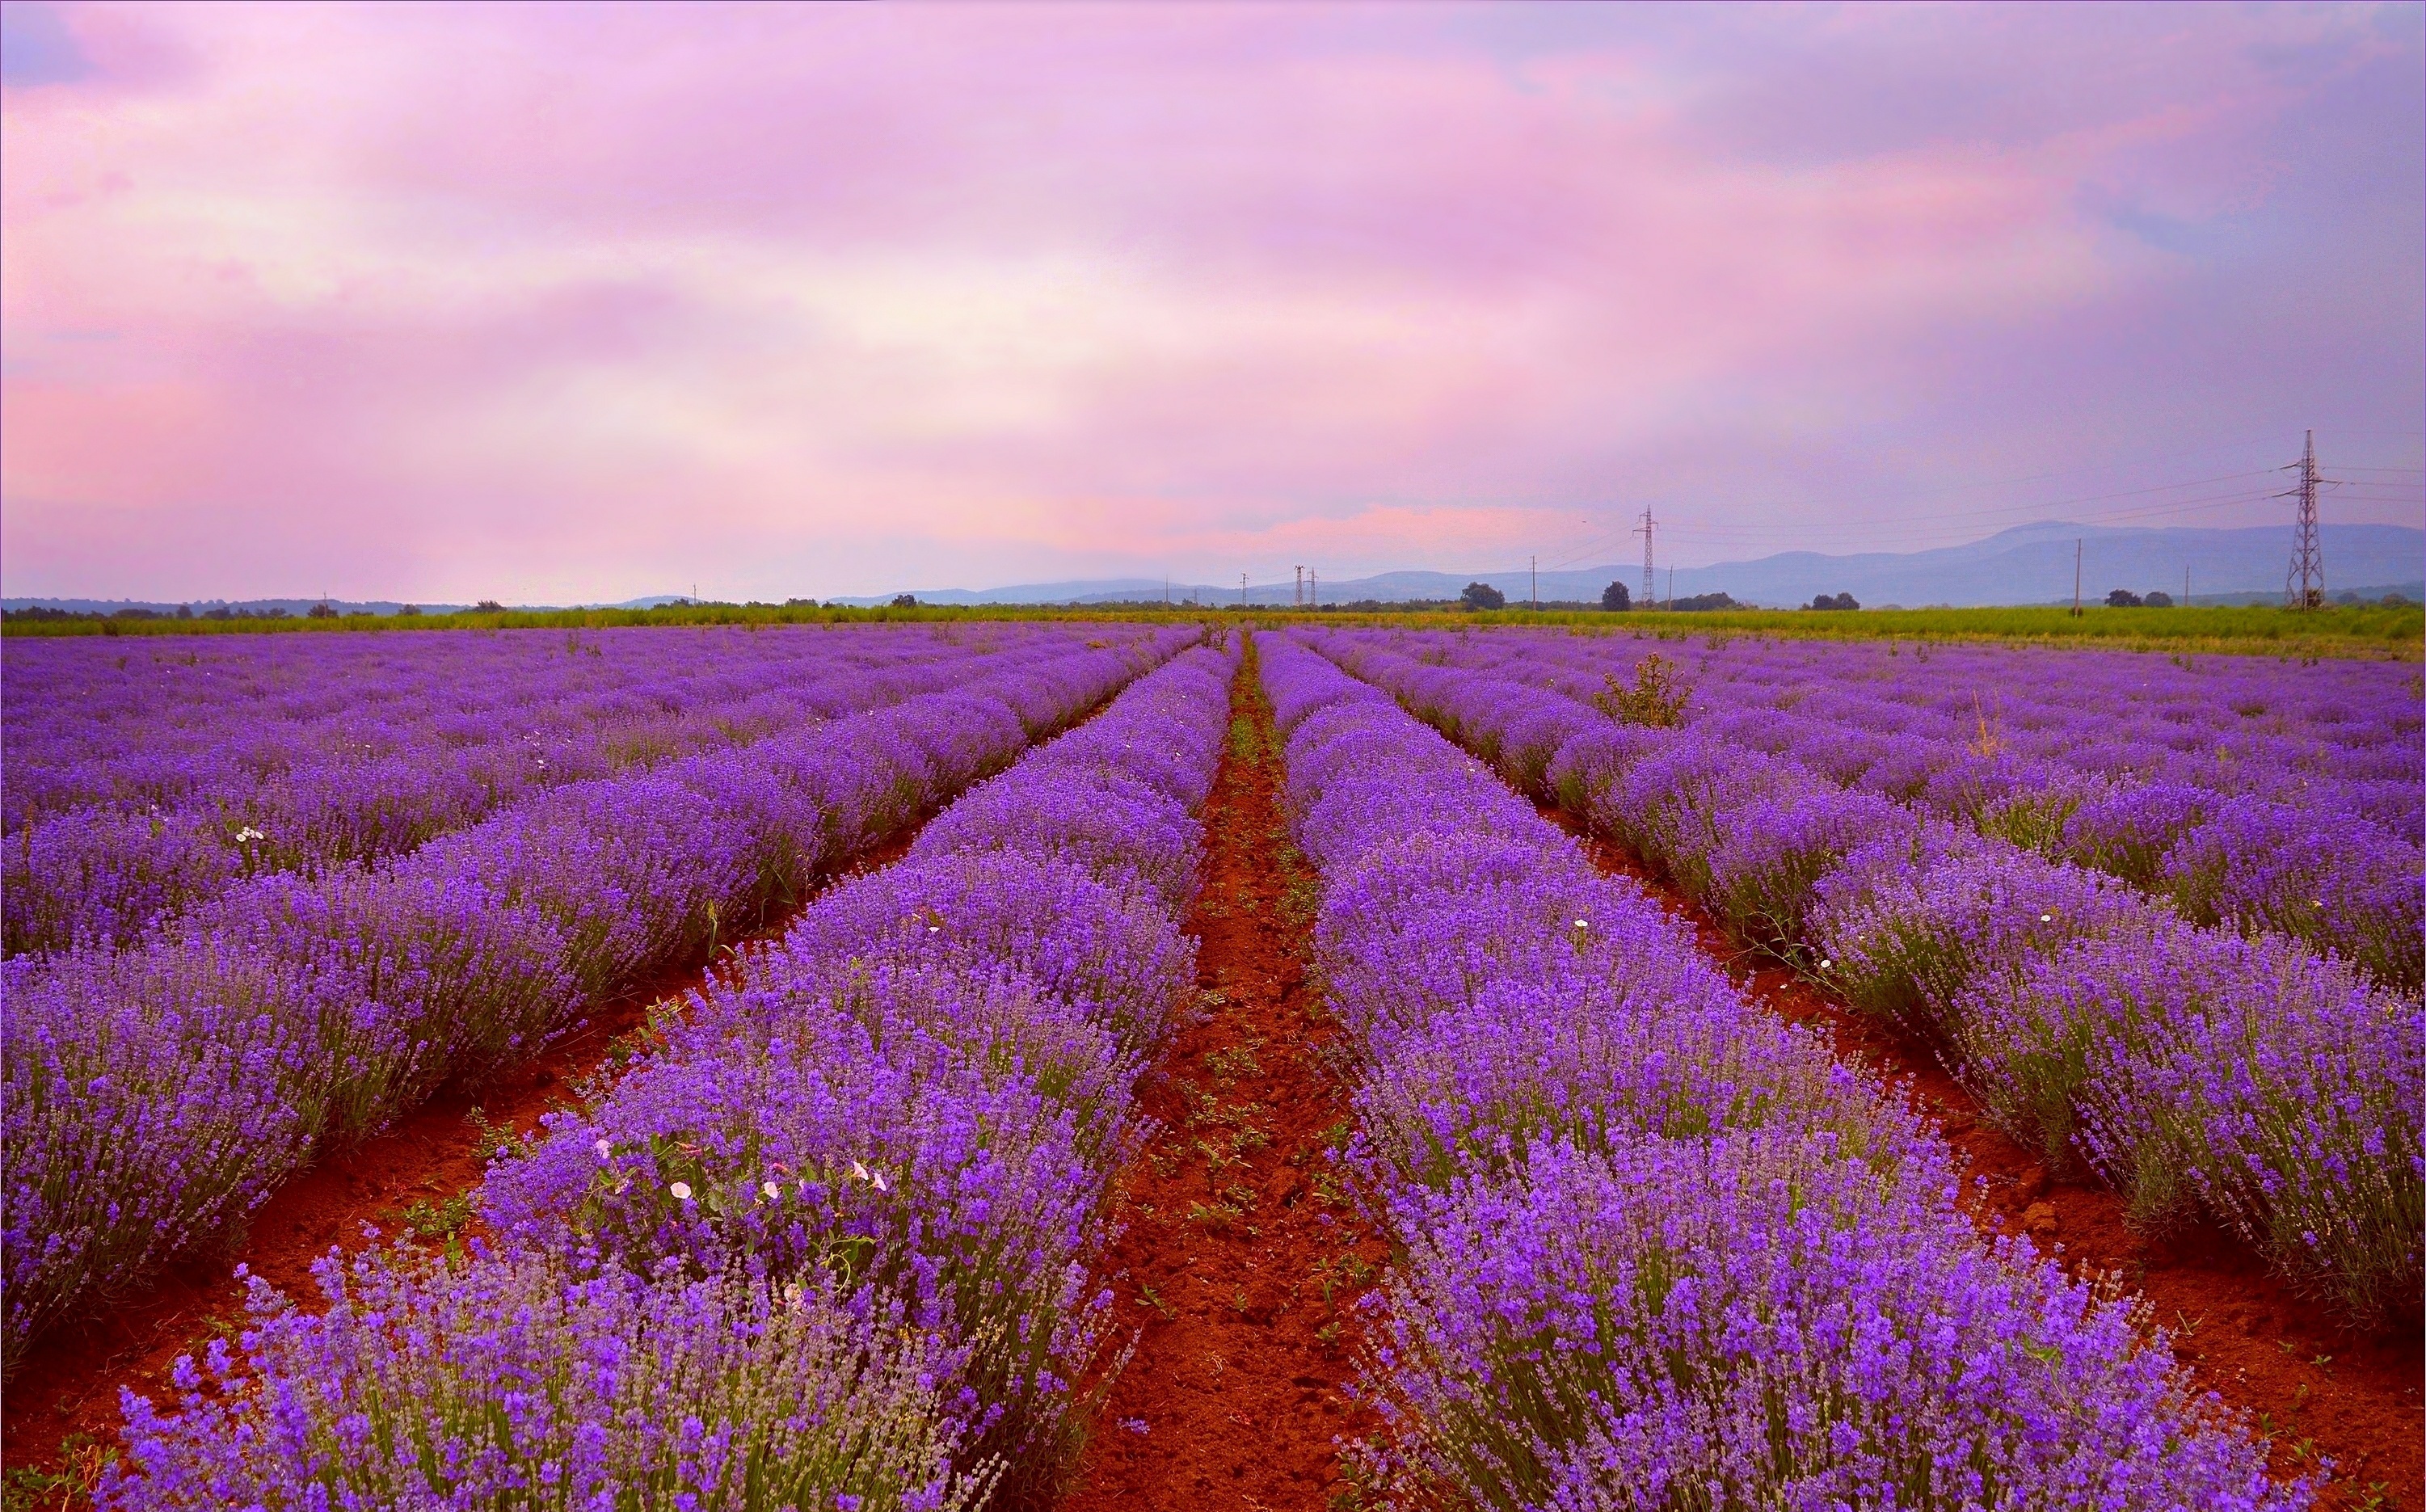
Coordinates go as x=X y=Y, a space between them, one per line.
x=36 y=48
x=560 y=302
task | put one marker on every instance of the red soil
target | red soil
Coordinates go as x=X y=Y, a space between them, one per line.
x=2319 y=1388
x=1245 y=1324
x=61 y=1411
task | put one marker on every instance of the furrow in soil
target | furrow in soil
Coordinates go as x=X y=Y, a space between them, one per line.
x=1241 y=1259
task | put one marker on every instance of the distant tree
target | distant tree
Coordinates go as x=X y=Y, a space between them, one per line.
x=1704 y=601
x=408 y=609
x=1615 y=598
x=2346 y=596
x=184 y=611
x=488 y=606
x=273 y=614
x=1483 y=595
x=2159 y=599
x=322 y=610
x=2123 y=598
x=1836 y=601
x=905 y=601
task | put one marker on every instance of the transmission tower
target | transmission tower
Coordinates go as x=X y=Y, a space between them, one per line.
x=1297 y=600
x=2304 y=587
x=1650 y=582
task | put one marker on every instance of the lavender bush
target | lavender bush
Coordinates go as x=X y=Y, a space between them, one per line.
x=141 y=784
x=453 y=962
x=1927 y=919
x=1656 y=1247
x=2279 y=1091
x=2111 y=760
x=533 y=1381
x=902 y=1124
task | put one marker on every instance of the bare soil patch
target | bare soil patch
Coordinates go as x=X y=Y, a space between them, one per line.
x=1241 y=1259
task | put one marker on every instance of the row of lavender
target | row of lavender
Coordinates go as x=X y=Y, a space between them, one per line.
x=1657 y=1248
x=2292 y=834
x=156 y=1095
x=829 y=1249
x=131 y=793
x=2194 y=1068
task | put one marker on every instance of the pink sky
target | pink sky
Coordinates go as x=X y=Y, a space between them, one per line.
x=547 y=303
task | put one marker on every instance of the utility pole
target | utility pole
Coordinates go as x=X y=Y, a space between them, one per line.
x=2304 y=585
x=1672 y=588
x=1537 y=583
x=2075 y=574
x=2185 y=585
x=1650 y=583
x=1313 y=589
x=1242 y=590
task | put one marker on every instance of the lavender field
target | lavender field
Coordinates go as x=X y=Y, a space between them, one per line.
x=840 y=1233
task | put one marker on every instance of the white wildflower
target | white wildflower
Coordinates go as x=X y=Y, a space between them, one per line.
x=681 y=1191
x=774 y=1193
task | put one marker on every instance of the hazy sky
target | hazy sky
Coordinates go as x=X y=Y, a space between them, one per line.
x=554 y=302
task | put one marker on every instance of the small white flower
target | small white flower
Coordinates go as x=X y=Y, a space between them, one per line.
x=248 y=834
x=1825 y=963
x=774 y=1193
x=1581 y=924
x=877 y=1177
x=2046 y=918
x=860 y=1171
x=606 y=1150
x=681 y=1191
x=792 y=1294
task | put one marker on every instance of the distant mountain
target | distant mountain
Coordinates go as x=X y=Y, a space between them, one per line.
x=2027 y=564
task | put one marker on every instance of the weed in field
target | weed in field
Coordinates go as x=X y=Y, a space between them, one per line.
x=1656 y=699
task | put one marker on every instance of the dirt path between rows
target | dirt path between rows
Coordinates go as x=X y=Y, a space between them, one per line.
x=2317 y=1388
x=1240 y=1261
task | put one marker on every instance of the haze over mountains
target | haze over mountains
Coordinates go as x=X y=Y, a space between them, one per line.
x=2028 y=564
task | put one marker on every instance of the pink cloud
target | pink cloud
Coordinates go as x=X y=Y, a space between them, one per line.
x=555 y=302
